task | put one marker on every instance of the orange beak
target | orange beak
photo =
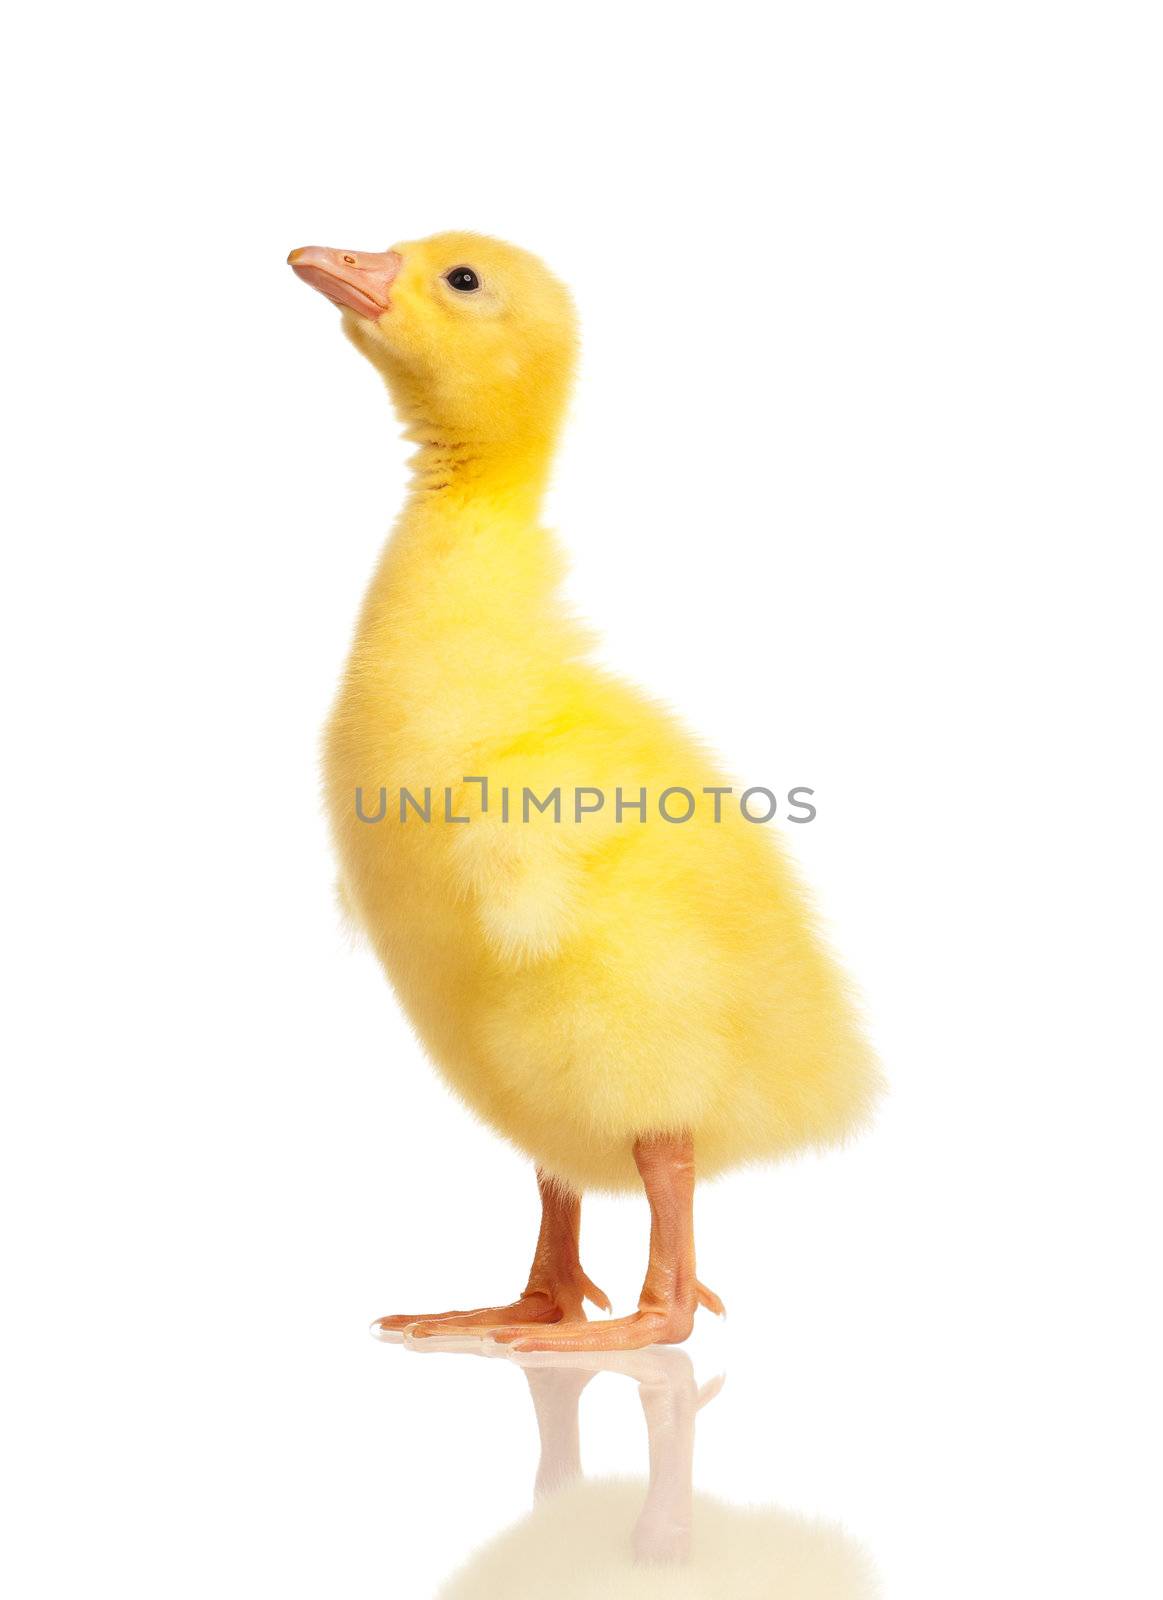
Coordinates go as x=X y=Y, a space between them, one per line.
x=356 y=282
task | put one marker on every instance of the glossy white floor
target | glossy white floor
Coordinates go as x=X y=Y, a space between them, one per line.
x=918 y=1398
x=939 y=1361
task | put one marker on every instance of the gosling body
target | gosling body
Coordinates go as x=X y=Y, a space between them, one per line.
x=595 y=989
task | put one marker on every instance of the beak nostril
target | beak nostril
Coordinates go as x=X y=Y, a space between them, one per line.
x=358 y=283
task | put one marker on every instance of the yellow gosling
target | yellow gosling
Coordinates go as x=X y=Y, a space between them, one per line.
x=626 y=999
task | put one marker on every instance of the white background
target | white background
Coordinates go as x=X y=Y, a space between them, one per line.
x=863 y=476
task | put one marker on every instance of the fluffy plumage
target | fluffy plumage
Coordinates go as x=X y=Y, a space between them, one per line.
x=580 y=984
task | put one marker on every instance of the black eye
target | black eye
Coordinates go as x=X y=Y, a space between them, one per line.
x=462 y=278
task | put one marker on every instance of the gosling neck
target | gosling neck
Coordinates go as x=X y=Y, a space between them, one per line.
x=510 y=474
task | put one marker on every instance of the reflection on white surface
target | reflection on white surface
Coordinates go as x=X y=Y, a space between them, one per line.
x=654 y=1537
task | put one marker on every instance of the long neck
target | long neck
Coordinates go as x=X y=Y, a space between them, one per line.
x=469 y=560
x=509 y=478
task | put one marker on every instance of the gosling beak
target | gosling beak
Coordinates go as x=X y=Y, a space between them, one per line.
x=356 y=282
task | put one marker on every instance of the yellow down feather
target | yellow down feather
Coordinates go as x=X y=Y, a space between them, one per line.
x=580 y=984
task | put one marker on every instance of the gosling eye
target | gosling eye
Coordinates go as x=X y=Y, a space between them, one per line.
x=462 y=278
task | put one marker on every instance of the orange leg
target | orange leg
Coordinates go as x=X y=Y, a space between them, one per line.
x=671 y=1292
x=556 y=1289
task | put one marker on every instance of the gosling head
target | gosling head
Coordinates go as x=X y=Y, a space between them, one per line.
x=475 y=338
